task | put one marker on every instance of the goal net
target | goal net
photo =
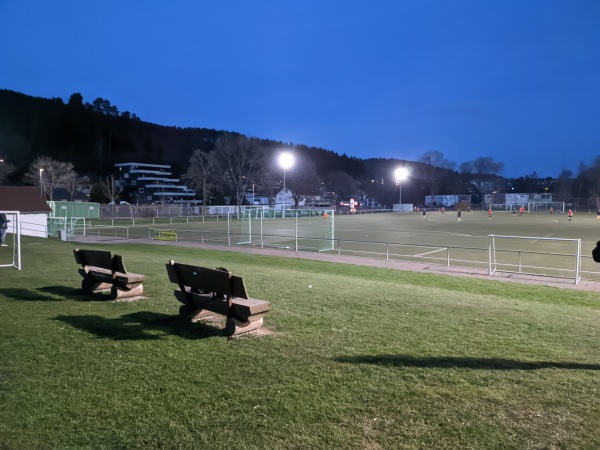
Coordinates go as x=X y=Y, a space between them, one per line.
x=546 y=207
x=300 y=229
x=545 y=256
x=10 y=251
x=501 y=206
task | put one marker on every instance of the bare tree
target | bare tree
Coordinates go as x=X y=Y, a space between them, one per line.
x=303 y=179
x=341 y=184
x=6 y=169
x=564 y=184
x=202 y=174
x=482 y=168
x=243 y=161
x=50 y=174
x=110 y=189
x=270 y=181
x=435 y=169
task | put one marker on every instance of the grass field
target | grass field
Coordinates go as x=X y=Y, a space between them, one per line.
x=358 y=357
x=435 y=238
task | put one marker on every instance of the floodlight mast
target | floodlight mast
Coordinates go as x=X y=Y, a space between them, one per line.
x=400 y=174
x=286 y=161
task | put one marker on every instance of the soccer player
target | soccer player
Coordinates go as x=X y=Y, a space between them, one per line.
x=459 y=213
x=551 y=210
x=490 y=213
x=521 y=211
x=570 y=215
x=443 y=210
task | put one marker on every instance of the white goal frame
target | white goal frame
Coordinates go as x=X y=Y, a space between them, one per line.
x=493 y=264
x=14 y=228
x=532 y=207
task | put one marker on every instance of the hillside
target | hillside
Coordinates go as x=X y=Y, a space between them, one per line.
x=96 y=136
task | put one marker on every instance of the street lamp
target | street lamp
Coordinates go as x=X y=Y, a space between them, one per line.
x=41 y=182
x=400 y=174
x=286 y=161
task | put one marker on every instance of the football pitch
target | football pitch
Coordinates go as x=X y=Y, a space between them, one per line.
x=539 y=243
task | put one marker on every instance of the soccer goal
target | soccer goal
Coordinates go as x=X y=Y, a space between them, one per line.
x=299 y=229
x=543 y=256
x=10 y=254
x=501 y=206
x=545 y=207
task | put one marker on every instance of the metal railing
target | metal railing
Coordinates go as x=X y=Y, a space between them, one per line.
x=449 y=256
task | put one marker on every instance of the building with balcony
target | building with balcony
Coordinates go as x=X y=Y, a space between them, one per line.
x=152 y=183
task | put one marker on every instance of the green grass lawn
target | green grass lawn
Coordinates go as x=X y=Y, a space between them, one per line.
x=365 y=358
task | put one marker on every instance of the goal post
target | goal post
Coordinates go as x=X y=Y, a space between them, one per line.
x=300 y=229
x=10 y=253
x=542 y=256
x=545 y=207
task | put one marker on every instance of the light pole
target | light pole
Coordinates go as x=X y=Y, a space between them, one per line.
x=41 y=182
x=286 y=161
x=400 y=174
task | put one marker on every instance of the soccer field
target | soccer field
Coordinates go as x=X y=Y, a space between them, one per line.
x=435 y=238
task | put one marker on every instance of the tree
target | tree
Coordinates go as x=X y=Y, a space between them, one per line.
x=50 y=174
x=110 y=189
x=340 y=184
x=564 y=184
x=242 y=159
x=435 y=170
x=6 y=169
x=202 y=173
x=483 y=168
x=303 y=179
x=76 y=100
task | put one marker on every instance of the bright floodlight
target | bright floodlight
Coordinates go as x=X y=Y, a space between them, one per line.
x=286 y=160
x=401 y=173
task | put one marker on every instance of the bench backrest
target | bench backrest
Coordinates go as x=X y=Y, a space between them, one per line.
x=208 y=280
x=97 y=258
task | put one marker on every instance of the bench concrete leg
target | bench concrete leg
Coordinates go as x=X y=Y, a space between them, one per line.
x=201 y=314
x=234 y=327
x=94 y=286
x=119 y=292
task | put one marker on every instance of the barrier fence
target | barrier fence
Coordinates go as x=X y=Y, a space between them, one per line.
x=558 y=264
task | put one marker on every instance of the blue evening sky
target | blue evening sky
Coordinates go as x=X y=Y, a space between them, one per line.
x=515 y=80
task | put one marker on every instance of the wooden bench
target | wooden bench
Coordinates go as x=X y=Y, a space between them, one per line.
x=204 y=292
x=102 y=271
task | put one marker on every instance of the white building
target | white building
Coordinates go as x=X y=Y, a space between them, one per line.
x=284 y=199
x=31 y=205
x=147 y=183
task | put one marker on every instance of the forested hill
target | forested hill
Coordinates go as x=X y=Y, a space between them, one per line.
x=95 y=136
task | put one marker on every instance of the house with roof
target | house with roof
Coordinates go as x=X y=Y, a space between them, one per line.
x=33 y=208
x=152 y=183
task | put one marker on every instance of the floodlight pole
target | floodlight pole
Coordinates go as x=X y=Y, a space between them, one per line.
x=400 y=174
x=284 y=190
x=41 y=182
x=286 y=160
